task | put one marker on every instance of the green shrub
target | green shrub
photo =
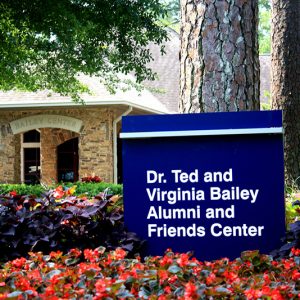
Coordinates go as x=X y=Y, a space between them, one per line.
x=292 y=236
x=292 y=212
x=22 y=189
x=90 y=189
x=93 y=189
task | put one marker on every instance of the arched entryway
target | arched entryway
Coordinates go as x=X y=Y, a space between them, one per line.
x=67 y=161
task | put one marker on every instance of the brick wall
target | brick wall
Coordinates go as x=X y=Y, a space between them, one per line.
x=95 y=143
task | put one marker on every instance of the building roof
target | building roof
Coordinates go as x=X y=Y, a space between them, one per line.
x=99 y=96
x=167 y=68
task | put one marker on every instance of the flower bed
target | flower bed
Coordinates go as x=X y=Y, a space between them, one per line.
x=96 y=274
x=61 y=221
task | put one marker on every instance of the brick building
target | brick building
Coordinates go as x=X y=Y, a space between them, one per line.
x=52 y=138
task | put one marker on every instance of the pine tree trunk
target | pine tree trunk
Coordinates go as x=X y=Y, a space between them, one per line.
x=285 y=84
x=219 y=68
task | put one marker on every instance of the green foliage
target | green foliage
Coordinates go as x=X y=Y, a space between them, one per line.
x=46 y=44
x=292 y=210
x=292 y=236
x=92 y=189
x=265 y=4
x=89 y=189
x=172 y=16
x=264 y=31
x=266 y=106
x=22 y=189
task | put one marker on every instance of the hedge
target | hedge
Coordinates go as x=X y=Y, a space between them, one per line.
x=90 y=188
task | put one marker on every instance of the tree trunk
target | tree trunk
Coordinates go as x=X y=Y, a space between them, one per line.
x=285 y=85
x=219 y=68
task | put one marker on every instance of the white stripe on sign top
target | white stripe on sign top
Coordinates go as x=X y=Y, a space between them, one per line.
x=152 y=134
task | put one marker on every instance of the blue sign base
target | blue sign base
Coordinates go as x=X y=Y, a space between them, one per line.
x=216 y=195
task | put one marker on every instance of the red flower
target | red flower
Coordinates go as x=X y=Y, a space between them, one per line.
x=134 y=291
x=58 y=192
x=101 y=285
x=252 y=294
x=23 y=284
x=296 y=275
x=274 y=263
x=19 y=262
x=275 y=295
x=120 y=253
x=295 y=252
x=163 y=275
x=135 y=270
x=190 y=290
x=91 y=255
x=288 y=264
x=183 y=260
x=124 y=276
x=230 y=276
x=91 y=179
x=13 y=193
x=173 y=279
x=267 y=279
x=35 y=276
x=84 y=267
x=3 y=296
x=166 y=260
x=210 y=278
x=54 y=279
x=49 y=291
x=56 y=255
x=75 y=252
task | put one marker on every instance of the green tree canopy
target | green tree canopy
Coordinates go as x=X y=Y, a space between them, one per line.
x=44 y=44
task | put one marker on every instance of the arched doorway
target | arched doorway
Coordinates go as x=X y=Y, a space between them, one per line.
x=67 y=161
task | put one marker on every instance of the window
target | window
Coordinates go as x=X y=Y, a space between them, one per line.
x=30 y=157
x=67 y=161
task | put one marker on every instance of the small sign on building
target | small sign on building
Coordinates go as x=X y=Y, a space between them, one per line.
x=209 y=183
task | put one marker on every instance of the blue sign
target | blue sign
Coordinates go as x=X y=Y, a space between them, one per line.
x=209 y=183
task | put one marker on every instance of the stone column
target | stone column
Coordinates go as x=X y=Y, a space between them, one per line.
x=8 y=155
x=96 y=145
x=48 y=156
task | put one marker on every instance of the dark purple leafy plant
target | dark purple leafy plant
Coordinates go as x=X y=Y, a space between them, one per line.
x=50 y=224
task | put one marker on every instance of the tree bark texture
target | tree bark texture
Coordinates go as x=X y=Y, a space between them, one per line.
x=219 y=68
x=285 y=83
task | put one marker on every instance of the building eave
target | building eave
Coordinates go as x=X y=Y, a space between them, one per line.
x=69 y=104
